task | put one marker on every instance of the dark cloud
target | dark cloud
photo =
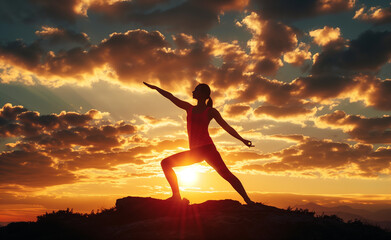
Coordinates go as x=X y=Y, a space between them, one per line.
x=61 y=35
x=108 y=160
x=25 y=56
x=338 y=69
x=194 y=15
x=18 y=121
x=324 y=86
x=324 y=157
x=235 y=110
x=287 y=110
x=35 y=11
x=379 y=93
x=67 y=10
x=368 y=53
x=275 y=92
x=9 y=112
x=280 y=98
x=367 y=130
x=12 y=11
x=134 y=55
x=183 y=40
x=140 y=54
x=375 y=15
x=286 y=9
x=32 y=169
x=59 y=131
x=50 y=147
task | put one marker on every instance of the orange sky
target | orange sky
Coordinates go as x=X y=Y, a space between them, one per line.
x=308 y=84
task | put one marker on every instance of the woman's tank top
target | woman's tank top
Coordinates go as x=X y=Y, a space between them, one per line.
x=197 y=128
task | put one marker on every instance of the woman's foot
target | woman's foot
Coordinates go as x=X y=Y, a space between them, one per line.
x=175 y=198
x=250 y=203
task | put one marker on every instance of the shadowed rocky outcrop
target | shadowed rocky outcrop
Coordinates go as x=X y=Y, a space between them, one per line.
x=149 y=218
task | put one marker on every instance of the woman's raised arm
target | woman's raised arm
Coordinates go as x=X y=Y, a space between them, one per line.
x=180 y=103
x=219 y=119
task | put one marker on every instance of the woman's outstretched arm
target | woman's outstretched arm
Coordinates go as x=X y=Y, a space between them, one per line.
x=172 y=98
x=219 y=119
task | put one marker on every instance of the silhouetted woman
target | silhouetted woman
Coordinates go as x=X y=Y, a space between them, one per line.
x=201 y=145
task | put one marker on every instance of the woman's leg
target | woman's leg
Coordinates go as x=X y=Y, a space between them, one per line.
x=180 y=159
x=214 y=159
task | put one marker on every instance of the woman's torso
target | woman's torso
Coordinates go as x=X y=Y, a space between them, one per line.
x=197 y=127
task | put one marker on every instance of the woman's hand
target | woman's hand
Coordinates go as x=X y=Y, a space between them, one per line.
x=248 y=143
x=150 y=85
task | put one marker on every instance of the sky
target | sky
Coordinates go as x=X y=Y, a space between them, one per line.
x=308 y=82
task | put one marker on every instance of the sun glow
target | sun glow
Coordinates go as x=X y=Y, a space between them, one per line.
x=187 y=175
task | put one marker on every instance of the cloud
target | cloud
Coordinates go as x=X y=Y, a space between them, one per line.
x=134 y=55
x=155 y=122
x=18 y=121
x=60 y=35
x=325 y=35
x=273 y=91
x=286 y=111
x=26 y=56
x=280 y=98
x=139 y=54
x=65 y=10
x=60 y=131
x=324 y=86
x=377 y=93
x=286 y=9
x=235 y=63
x=33 y=11
x=110 y=159
x=375 y=15
x=32 y=169
x=366 y=130
x=299 y=55
x=326 y=158
x=183 y=41
x=50 y=149
x=339 y=69
x=235 y=110
x=270 y=41
x=9 y=112
x=131 y=56
x=291 y=137
x=194 y=15
x=368 y=53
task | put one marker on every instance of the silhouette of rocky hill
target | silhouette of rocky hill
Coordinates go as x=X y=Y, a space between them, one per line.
x=149 y=218
x=380 y=218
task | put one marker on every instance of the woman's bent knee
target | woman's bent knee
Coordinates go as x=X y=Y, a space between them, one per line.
x=165 y=163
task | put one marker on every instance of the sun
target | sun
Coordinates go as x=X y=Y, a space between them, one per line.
x=187 y=175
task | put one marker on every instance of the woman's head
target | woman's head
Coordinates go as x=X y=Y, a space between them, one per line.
x=202 y=92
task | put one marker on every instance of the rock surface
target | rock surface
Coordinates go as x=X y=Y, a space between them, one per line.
x=149 y=218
